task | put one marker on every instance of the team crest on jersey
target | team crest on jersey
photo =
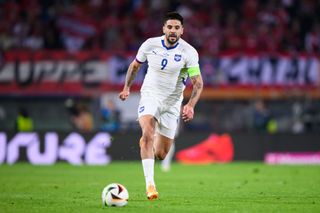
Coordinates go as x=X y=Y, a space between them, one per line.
x=177 y=57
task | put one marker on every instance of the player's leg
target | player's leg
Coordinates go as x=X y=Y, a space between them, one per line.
x=166 y=163
x=166 y=132
x=147 y=123
x=162 y=145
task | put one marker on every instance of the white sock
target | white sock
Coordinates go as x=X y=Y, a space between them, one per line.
x=148 y=170
x=166 y=163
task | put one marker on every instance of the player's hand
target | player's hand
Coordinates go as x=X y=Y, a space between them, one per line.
x=187 y=113
x=124 y=94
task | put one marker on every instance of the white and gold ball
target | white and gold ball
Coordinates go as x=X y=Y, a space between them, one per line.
x=115 y=194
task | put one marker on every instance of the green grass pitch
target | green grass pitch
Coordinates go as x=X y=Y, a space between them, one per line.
x=235 y=187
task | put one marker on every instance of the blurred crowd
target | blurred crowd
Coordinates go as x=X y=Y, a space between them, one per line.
x=122 y=25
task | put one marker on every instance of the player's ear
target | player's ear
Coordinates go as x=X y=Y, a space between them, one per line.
x=182 y=30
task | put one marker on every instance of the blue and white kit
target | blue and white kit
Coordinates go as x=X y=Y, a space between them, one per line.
x=164 y=83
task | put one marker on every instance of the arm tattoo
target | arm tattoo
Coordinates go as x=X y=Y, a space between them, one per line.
x=196 y=90
x=131 y=74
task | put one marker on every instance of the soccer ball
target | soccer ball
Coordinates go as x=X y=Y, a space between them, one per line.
x=115 y=194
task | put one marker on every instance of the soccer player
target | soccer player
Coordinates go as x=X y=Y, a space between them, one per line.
x=171 y=60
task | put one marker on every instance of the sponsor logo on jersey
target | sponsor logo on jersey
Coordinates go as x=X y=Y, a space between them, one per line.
x=177 y=57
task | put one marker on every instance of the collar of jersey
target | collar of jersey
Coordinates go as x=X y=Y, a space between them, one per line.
x=169 y=48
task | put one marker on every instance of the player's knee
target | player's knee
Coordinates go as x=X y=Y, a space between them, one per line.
x=145 y=139
x=145 y=144
x=147 y=134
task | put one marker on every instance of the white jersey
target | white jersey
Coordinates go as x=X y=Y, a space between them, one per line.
x=167 y=72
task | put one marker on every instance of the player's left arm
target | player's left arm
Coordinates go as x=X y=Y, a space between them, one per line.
x=193 y=69
x=197 y=87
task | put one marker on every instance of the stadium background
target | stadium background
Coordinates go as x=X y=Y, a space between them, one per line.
x=259 y=60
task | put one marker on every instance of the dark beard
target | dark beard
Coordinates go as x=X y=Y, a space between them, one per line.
x=172 y=42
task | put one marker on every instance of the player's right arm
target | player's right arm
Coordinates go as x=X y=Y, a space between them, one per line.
x=133 y=70
x=131 y=75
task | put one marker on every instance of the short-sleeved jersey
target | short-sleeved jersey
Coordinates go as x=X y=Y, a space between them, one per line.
x=167 y=68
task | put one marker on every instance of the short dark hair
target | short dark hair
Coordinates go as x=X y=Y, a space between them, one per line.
x=174 y=16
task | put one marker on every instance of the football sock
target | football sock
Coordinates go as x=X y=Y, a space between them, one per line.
x=148 y=170
x=166 y=163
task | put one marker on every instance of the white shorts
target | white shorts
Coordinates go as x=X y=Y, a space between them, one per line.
x=167 y=116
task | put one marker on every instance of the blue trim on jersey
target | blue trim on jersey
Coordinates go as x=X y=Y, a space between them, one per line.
x=169 y=48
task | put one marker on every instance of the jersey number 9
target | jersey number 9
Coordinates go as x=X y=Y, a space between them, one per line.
x=164 y=63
